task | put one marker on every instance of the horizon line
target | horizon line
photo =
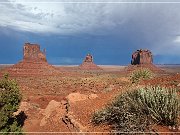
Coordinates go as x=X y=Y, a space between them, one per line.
x=99 y=2
x=1 y=64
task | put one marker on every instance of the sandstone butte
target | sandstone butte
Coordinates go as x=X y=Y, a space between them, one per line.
x=142 y=59
x=34 y=63
x=88 y=64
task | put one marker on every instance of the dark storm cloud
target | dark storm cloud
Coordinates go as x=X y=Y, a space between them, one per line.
x=110 y=31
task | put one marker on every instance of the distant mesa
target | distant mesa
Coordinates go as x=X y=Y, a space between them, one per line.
x=142 y=59
x=34 y=63
x=32 y=52
x=89 y=58
x=88 y=64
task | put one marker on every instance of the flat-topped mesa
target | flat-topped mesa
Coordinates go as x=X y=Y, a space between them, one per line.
x=88 y=64
x=142 y=57
x=32 y=52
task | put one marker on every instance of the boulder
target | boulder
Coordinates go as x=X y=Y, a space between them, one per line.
x=52 y=107
x=75 y=97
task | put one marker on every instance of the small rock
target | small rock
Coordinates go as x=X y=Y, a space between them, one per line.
x=174 y=128
x=74 y=97
x=93 y=96
x=169 y=127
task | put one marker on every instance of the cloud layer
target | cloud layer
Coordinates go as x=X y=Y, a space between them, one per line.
x=134 y=25
x=61 y=18
x=67 y=18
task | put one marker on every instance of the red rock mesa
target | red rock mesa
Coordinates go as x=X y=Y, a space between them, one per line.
x=34 y=63
x=88 y=64
x=142 y=59
x=32 y=52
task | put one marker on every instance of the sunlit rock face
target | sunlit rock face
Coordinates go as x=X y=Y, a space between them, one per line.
x=142 y=57
x=33 y=52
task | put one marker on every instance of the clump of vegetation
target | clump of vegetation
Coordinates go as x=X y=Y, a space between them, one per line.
x=134 y=111
x=9 y=103
x=139 y=74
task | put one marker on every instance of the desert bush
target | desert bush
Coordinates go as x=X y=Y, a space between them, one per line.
x=9 y=103
x=139 y=74
x=134 y=111
x=163 y=104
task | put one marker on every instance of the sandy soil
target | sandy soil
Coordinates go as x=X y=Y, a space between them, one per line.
x=49 y=108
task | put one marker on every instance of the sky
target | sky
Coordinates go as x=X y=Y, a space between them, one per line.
x=111 y=30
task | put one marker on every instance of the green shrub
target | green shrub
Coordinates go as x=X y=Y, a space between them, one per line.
x=136 y=110
x=162 y=104
x=9 y=103
x=139 y=74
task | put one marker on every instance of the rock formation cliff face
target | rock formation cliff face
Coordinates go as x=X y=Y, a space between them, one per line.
x=88 y=64
x=34 y=63
x=33 y=52
x=142 y=57
x=89 y=58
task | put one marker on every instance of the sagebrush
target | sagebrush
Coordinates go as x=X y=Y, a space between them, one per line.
x=136 y=110
x=139 y=74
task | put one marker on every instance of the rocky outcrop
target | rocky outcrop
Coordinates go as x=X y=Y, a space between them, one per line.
x=88 y=64
x=52 y=107
x=69 y=119
x=56 y=116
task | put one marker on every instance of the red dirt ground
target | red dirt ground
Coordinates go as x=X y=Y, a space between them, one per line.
x=49 y=109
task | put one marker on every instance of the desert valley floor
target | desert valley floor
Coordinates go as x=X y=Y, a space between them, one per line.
x=65 y=102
